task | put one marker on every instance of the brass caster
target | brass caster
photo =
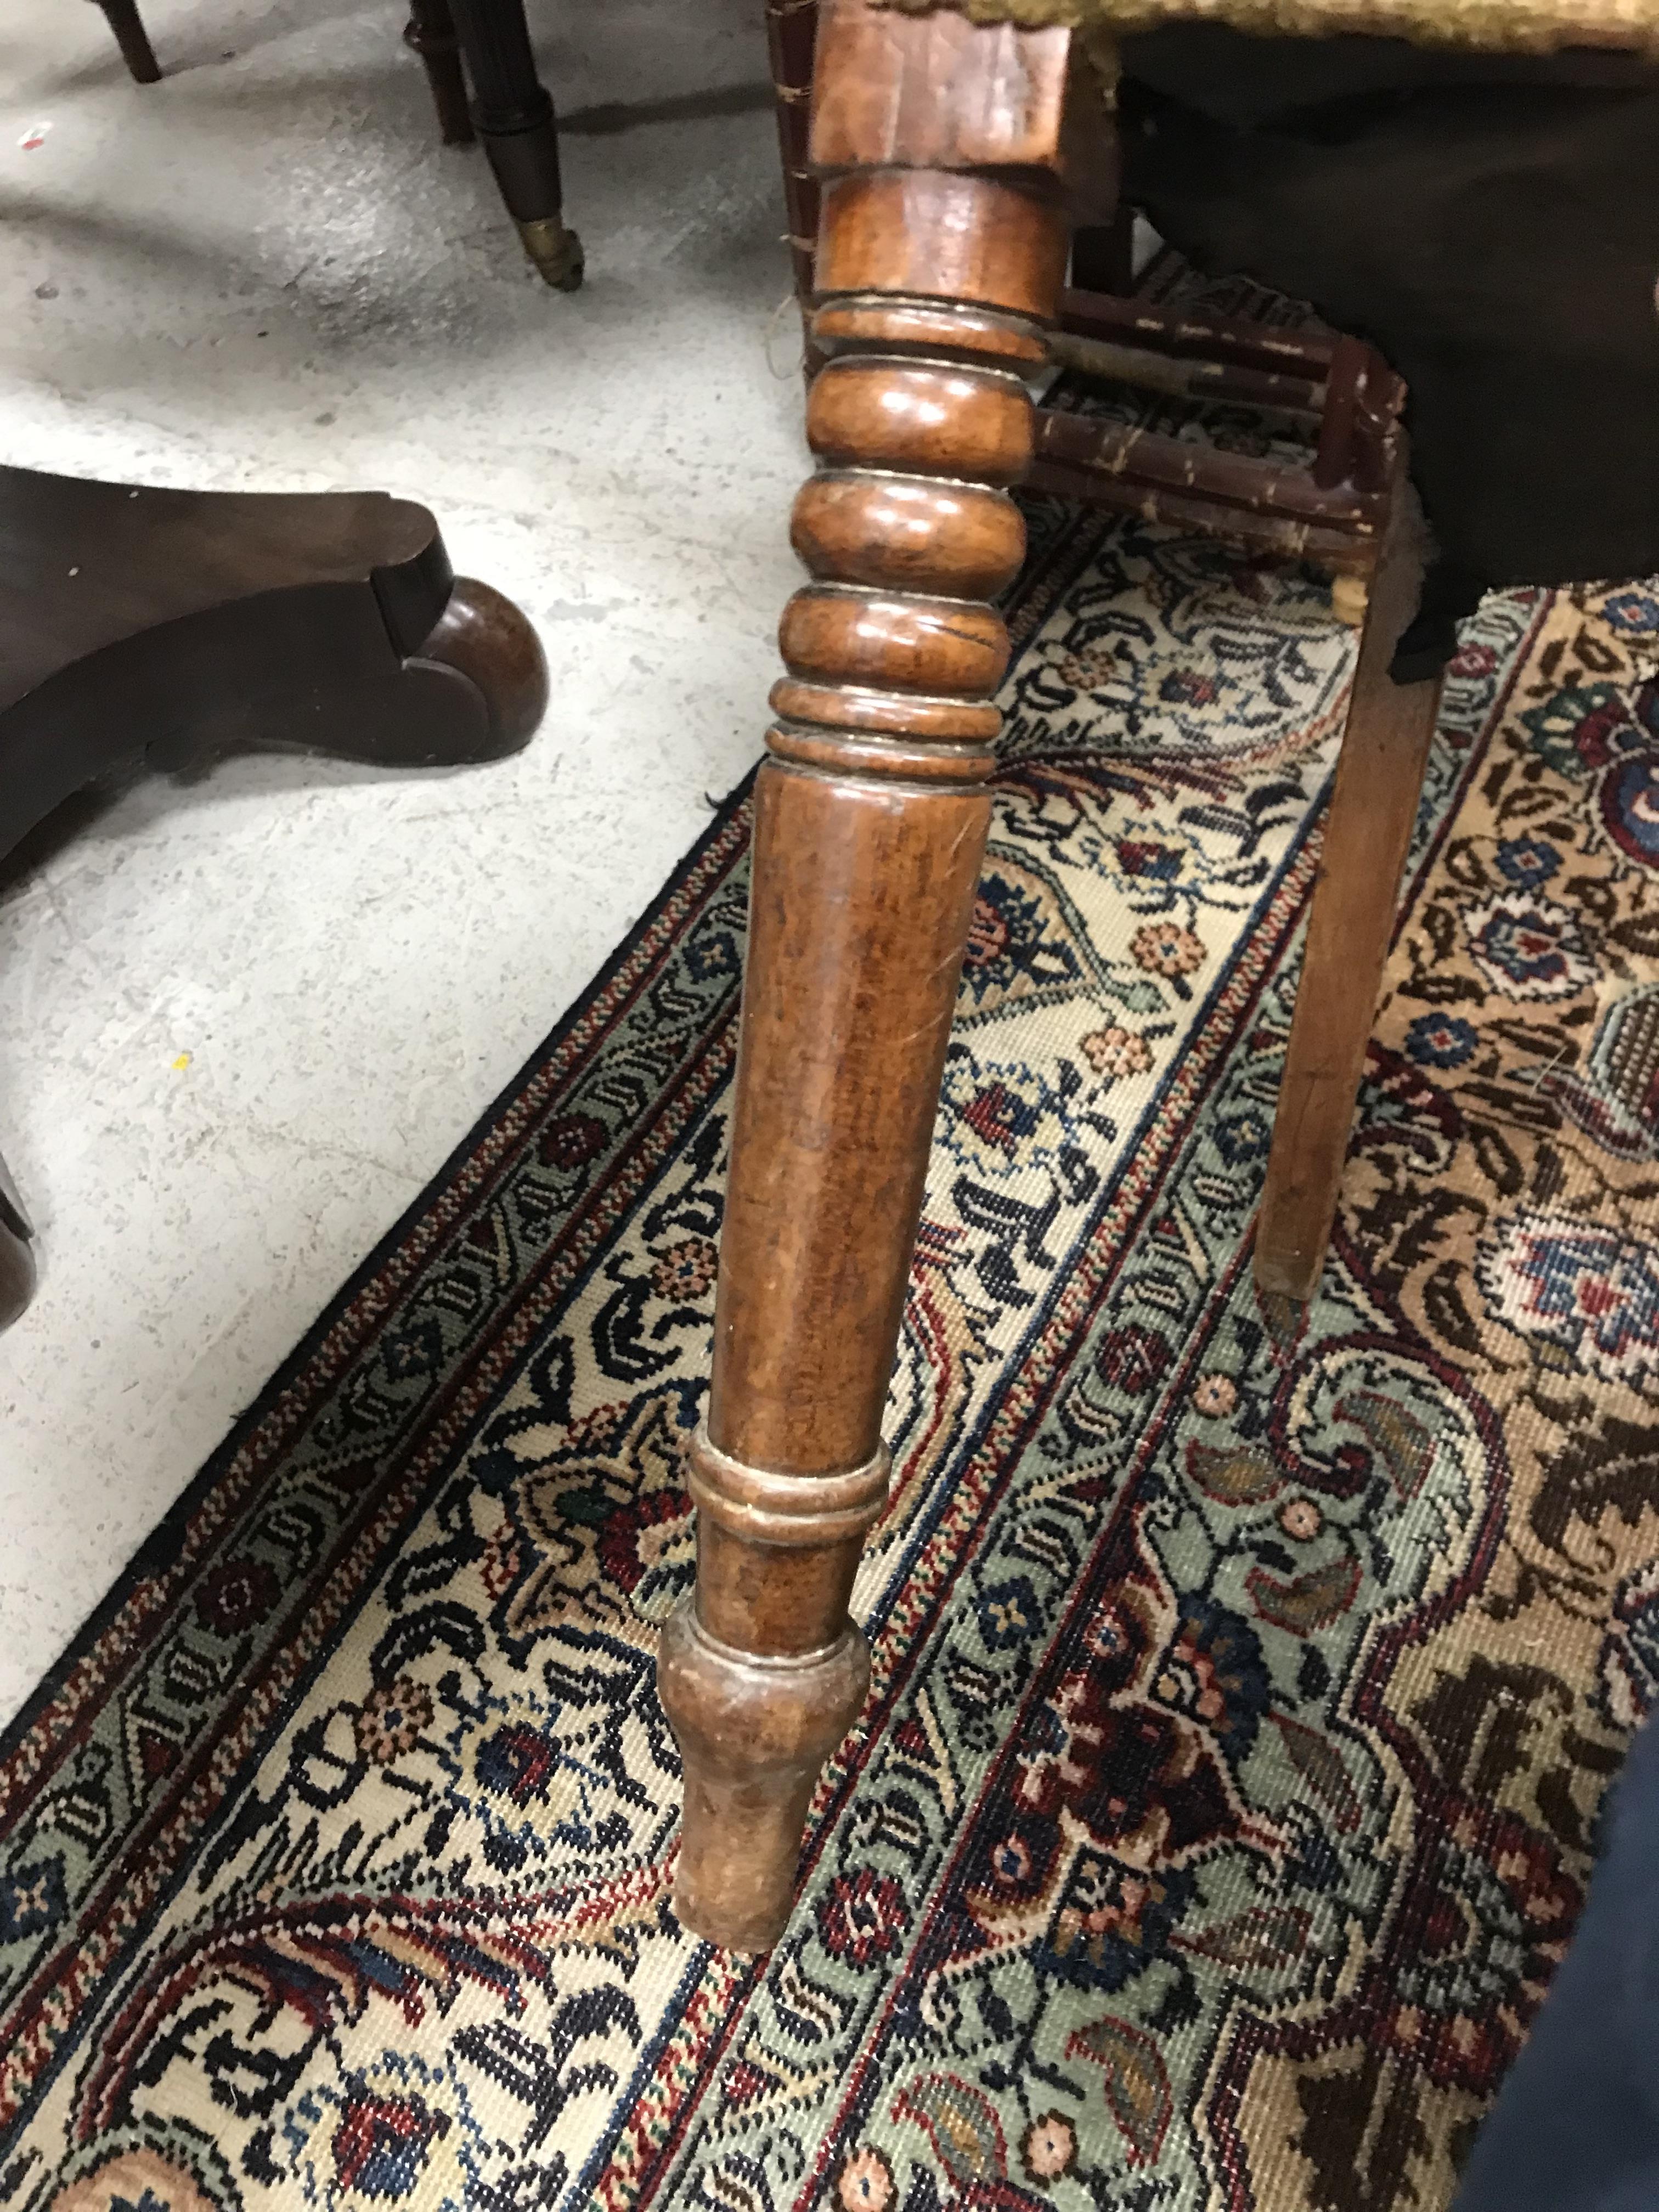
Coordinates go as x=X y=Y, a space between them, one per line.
x=556 y=252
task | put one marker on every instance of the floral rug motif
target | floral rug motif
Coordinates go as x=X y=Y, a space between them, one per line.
x=1246 y=1683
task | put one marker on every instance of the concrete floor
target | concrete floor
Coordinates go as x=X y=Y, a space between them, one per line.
x=243 y=1019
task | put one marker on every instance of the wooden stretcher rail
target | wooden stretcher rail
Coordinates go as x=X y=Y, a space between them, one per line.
x=1149 y=458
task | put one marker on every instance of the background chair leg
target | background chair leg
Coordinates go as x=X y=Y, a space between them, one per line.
x=871 y=818
x=133 y=40
x=514 y=120
x=1379 y=783
x=430 y=33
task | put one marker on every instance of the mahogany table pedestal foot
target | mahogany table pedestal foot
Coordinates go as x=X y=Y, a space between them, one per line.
x=144 y=628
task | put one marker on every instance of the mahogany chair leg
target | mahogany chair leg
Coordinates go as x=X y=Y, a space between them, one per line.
x=939 y=257
x=133 y=40
x=1379 y=783
x=514 y=120
x=430 y=33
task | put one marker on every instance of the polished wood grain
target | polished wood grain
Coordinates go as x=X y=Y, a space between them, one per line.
x=935 y=92
x=922 y=418
x=951 y=541
x=898 y=645
x=1379 y=783
x=939 y=149
x=870 y=817
x=144 y=628
x=848 y=710
x=157 y=626
x=966 y=237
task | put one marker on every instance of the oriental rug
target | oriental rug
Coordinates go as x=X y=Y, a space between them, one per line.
x=1246 y=1682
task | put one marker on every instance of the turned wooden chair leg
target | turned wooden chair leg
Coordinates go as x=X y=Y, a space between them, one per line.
x=1379 y=784
x=514 y=117
x=430 y=33
x=133 y=40
x=939 y=257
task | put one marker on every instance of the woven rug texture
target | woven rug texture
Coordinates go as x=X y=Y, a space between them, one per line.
x=1246 y=1682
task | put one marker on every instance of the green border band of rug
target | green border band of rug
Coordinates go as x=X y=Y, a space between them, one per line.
x=1537 y=26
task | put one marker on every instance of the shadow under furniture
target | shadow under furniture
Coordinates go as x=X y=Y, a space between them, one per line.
x=151 y=630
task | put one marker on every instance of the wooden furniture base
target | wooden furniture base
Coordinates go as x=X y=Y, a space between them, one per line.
x=1337 y=511
x=141 y=627
x=932 y=293
x=154 y=628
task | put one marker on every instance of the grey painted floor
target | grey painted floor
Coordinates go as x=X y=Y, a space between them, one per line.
x=243 y=1019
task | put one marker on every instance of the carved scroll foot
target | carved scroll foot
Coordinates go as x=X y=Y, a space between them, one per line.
x=483 y=637
x=160 y=629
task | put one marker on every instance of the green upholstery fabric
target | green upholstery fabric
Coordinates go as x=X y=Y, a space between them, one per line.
x=1497 y=26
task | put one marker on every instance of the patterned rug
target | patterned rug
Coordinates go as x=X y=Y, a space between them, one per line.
x=1245 y=1688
